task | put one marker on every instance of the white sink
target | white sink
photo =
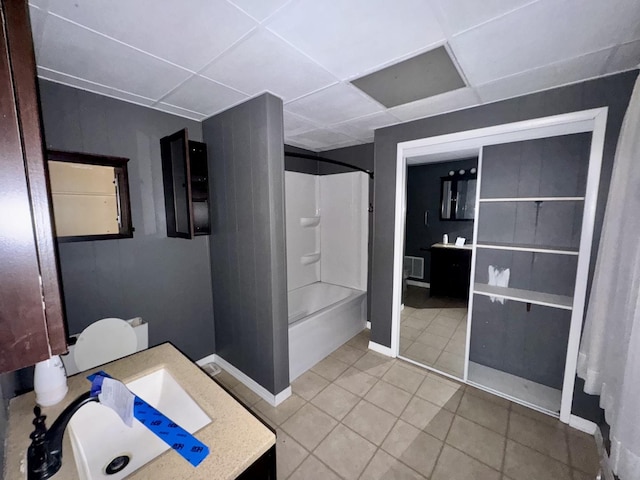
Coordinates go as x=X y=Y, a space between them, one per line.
x=98 y=435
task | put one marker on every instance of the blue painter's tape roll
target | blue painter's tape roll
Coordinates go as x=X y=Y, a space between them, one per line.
x=191 y=449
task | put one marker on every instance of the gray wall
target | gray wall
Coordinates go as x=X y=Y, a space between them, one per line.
x=166 y=281
x=248 y=253
x=613 y=92
x=423 y=194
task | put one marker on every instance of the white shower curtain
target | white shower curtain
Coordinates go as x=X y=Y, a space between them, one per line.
x=609 y=359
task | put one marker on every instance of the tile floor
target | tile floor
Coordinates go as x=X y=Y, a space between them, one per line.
x=433 y=331
x=360 y=415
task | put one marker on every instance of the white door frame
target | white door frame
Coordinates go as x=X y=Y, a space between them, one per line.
x=593 y=120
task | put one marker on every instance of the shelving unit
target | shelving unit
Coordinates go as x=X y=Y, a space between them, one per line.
x=532 y=199
x=521 y=247
x=525 y=296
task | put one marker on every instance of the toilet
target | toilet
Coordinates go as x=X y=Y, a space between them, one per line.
x=104 y=341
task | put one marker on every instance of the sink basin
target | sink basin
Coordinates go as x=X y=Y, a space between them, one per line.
x=98 y=435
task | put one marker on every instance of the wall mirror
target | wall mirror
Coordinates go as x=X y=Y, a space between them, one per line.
x=90 y=196
x=458 y=196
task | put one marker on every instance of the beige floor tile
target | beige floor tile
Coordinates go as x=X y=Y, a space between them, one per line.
x=433 y=341
x=409 y=333
x=451 y=364
x=523 y=463
x=403 y=378
x=417 y=322
x=389 y=398
x=578 y=475
x=289 y=454
x=370 y=421
x=537 y=416
x=313 y=469
x=245 y=394
x=329 y=368
x=374 y=364
x=356 y=381
x=477 y=441
x=440 y=393
x=446 y=321
x=544 y=438
x=455 y=465
x=413 y=447
x=226 y=379
x=484 y=412
x=308 y=426
x=404 y=345
x=336 y=401
x=347 y=354
x=426 y=313
x=456 y=346
x=308 y=385
x=346 y=451
x=503 y=402
x=423 y=353
x=279 y=414
x=384 y=467
x=441 y=330
x=407 y=311
x=583 y=452
x=361 y=341
x=457 y=313
x=428 y=417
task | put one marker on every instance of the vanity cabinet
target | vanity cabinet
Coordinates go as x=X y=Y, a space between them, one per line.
x=31 y=316
x=186 y=185
x=450 y=271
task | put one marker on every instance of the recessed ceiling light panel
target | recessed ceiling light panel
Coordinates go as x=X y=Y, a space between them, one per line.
x=425 y=75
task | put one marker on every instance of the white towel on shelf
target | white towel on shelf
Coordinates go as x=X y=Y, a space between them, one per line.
x=498 y=277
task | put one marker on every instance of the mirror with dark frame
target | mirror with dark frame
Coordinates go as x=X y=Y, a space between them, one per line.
x=458 y=196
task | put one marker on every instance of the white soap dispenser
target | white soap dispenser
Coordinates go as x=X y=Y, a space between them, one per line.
x=50 y=381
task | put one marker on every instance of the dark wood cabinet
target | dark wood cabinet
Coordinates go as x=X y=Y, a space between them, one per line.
x=450 y=271
x=32 y=325
x=186 y=185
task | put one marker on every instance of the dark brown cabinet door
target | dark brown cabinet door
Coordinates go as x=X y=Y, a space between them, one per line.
x=31 y=321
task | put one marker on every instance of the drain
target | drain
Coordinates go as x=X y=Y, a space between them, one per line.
x=117 y=464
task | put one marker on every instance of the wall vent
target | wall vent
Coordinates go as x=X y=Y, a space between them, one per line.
x=415 y=265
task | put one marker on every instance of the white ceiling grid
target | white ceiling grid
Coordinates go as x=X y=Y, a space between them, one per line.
x=196 y=58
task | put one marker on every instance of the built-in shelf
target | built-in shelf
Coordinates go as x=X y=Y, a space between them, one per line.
x=310 y=258
x=521 y=247
x=532 y=199
x=310 y=221
x=517 y=389
x=526 y=296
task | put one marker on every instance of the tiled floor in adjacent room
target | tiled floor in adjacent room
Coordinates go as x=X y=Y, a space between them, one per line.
x=360 y=415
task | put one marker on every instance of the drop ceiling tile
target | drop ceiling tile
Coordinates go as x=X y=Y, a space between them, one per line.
x=562 y=73
x=262 y=62
x=259 y=9
x=447 y=102
x=626 y=57
x=80 y=53
x=201 y=95
x=354 y=37
x=321 y=139
x=362 y=128
x=460 y=15
x=164 y=107
x=294 y=125
x=189 y=33
x=335 y=104
x=81 y=84
x=542 y=33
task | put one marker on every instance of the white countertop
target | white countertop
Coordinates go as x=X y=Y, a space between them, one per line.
x=466 y=246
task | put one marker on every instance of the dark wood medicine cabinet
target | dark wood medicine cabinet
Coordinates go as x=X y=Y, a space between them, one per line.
x=32 y=325
x=186 y=185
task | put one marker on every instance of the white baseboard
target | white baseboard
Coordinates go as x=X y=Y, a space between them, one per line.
x=583 y=425
x=376 y=347
x=251 y=384
x=416 y=283
x=368 y=325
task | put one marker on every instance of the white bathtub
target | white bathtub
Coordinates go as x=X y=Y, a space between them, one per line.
x=322 y=317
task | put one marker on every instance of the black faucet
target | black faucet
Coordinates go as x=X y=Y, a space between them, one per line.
x=44 y=456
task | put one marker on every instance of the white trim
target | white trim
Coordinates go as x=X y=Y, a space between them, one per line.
x=368 y=325
x=593 y=120
x=582 y=424
x=416 y=283
x=376 y=347
x=528 y=249
x=532 y=199
x=584 y=259
x=251 y=384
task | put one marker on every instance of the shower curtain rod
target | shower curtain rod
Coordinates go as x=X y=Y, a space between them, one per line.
x=328 y=160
